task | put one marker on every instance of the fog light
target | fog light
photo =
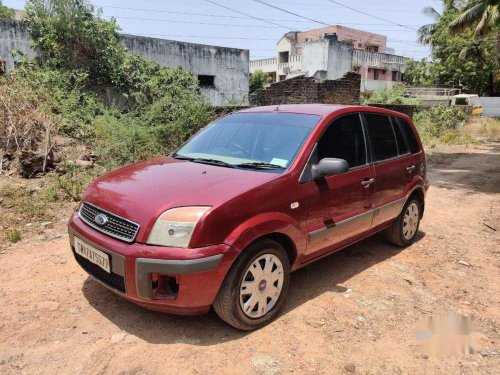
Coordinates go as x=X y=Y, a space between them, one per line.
x=164 y=286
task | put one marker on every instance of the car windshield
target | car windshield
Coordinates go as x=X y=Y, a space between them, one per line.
x=250 y=140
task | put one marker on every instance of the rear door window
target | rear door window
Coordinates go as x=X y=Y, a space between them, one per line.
x=382 y=137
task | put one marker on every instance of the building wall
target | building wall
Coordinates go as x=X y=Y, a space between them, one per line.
x=14 y=36
x=228 y=66
x=491 y=106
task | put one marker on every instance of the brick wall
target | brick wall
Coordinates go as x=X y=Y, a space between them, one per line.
x=301 y=90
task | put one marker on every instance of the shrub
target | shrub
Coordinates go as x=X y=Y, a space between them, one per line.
x=390 y=95
x=124 y=140
x=258 y=81
x=6 y=12
x=442 y=123
x=73 y=35
x=14 y=235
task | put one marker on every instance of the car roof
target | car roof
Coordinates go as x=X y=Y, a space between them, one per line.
x=318 y=109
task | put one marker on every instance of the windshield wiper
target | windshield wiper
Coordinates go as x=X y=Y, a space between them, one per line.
x=211 y=162
x=259 y=165
x=180 y=157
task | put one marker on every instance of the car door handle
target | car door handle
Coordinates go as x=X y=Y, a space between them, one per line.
x=367 y=182
x=410 y=168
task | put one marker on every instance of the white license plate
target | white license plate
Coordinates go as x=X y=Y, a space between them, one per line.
x=91 y=253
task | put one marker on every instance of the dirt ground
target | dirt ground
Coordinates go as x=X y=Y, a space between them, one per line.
x=55 y=319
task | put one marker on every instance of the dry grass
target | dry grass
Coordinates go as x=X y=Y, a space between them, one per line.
x=484 y=129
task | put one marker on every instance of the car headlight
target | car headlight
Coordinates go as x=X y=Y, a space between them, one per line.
x=175 y=227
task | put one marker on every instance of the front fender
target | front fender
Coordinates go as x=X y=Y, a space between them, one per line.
x=265 y=224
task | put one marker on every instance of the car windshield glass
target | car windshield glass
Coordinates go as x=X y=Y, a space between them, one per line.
x=267 y=141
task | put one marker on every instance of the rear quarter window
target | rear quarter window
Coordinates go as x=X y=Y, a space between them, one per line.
x=409 y=135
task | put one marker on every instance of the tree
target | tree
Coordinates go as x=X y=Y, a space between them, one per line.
x=419 y=73
x=71 y=34
x=458 y=59
x=480 y=15
x=426 y=32
x=6 y=12
x=258 y=81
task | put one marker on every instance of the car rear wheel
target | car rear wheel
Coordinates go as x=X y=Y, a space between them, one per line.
x=255 y=287
x=404 y=230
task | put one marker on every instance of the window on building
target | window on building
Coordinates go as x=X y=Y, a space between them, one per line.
x=206 y=81
x=344 y=139
x=284 y=57
x=372 y=48
x=382 y=137
x=376 y=73
x=395 y=75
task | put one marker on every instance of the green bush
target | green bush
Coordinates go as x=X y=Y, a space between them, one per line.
x=123 y=140
x=442 y=123
x=390 y=95
x=6 y=12
x=72 y=35
x=14 y=235
x=258 y=81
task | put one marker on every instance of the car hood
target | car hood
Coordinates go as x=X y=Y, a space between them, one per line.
x=142 y=191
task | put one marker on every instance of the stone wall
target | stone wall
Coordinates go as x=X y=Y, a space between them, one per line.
x=301 y=90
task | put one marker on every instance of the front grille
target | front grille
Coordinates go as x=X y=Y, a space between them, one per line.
x=111 y=279
x=115 y=226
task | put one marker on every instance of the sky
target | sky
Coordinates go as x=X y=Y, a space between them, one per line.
x=200 y=21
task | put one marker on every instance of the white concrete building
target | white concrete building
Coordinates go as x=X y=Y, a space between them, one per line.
x=330 y=52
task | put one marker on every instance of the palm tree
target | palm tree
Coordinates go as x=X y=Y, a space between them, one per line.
x=482 y=15
x=426 y=32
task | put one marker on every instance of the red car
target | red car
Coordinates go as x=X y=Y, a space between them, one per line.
x=253 y=196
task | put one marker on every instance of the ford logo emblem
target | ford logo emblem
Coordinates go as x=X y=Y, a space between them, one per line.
x=101 y=219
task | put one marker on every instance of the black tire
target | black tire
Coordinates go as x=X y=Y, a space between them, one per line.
x=394 y=234
x=227 y=303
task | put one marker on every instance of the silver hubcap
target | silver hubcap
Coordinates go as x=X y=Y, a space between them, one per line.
x=410 y=221
x=261 y=286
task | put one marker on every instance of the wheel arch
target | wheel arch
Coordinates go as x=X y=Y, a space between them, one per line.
x=276 y=226
x=418 y=193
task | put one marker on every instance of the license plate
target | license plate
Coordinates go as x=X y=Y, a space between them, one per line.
x=94 y=255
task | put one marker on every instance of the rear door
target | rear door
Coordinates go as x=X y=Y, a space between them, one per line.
x=340 y=207
x=391 y=157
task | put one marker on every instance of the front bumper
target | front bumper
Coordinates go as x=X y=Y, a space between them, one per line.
x=198 y=272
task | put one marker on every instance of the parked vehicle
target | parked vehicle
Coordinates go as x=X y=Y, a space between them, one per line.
x=250 y=198
x=468 y=100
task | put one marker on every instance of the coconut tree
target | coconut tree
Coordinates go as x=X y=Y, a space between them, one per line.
x=481 y=15
x=426 y=32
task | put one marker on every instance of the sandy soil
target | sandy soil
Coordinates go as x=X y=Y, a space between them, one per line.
x=55 y=319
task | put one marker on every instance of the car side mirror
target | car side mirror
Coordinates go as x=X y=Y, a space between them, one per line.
x=329 y=167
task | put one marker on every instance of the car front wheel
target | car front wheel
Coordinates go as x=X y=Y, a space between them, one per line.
x=255 y=287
